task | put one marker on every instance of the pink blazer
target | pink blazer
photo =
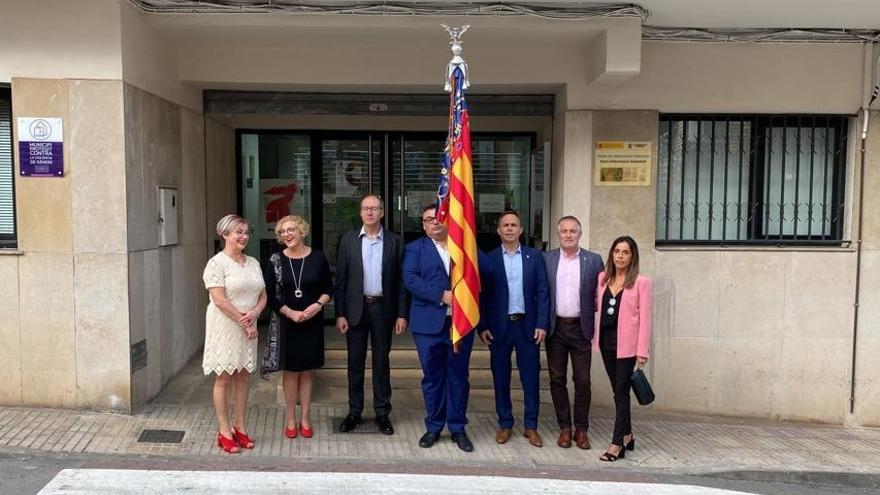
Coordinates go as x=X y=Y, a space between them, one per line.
x=634 y=320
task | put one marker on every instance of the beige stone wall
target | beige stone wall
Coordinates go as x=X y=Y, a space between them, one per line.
x=760 y=332
x=867 y=394
x=164 y=146
x=66 y=340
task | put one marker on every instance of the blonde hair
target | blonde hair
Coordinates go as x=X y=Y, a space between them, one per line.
x=298 y=222
x=227 y=223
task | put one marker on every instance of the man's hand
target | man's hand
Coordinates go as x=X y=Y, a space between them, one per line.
x=486 y=336
x=447 y=297
x=342 y=325
x=540 y=335
x=399 y=326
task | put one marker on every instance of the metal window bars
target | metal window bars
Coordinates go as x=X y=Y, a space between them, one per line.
x=751 y=179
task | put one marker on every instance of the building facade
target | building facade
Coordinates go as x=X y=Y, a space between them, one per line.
x=755 y=216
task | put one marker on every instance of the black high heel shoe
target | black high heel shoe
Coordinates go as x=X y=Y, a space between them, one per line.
x=631 y=445
x=609 y=457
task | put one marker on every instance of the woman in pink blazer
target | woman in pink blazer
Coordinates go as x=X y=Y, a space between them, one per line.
x=623 y=333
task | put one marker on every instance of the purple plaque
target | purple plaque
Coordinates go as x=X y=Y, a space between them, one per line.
x=41 y=159
x=41 y=146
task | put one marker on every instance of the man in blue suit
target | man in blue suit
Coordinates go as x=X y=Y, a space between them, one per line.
x=445 y=385
x=515 y=306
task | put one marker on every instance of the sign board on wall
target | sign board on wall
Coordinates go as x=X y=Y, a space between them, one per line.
x=623 y=163
x=41 y=147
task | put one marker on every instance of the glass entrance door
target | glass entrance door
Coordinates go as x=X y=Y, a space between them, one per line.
x=322 y=176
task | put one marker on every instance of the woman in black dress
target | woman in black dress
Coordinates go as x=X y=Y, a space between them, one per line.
x=298 y=285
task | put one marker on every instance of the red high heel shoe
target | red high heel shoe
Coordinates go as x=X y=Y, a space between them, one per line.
x=229 y=445
x=290 y=432
x=243 y=439
x=306 y=431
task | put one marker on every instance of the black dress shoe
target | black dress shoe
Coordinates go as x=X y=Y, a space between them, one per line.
x=349 y=423
x=384 y=425
x=463 y=442
x=428 y=440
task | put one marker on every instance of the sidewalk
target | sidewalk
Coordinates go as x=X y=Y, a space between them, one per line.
x=673 y=444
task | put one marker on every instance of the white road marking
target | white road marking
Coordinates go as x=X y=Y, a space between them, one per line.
x=125 y=482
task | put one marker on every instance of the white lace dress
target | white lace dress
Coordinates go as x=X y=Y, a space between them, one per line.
x=227 y=348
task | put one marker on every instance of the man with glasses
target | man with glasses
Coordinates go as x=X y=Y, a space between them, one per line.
x=445 y=385
x=370 y=302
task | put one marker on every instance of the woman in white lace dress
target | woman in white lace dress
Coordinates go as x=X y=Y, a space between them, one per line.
x=237 y=297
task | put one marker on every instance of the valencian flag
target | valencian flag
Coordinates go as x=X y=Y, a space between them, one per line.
x=455 y=208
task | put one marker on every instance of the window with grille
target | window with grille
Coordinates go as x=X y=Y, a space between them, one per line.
x=751 y=179
x=7 y=187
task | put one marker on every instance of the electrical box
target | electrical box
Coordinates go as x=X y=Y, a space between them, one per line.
x=168 y=203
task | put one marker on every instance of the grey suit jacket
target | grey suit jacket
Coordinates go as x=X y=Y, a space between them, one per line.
x=349 y=294
x=591 y=266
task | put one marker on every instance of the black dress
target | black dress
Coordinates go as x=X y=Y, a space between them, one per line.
x=301 y=344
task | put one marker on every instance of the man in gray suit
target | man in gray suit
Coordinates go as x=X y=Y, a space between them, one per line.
x=573 y=272
x=370 y=301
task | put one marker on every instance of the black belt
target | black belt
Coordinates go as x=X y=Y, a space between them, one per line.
x=516 y=316
x=568 y=320
x=372 y=299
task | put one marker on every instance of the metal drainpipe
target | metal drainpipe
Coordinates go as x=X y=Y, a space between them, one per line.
x=852 y=380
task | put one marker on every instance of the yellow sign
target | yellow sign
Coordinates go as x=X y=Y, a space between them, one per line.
x=623 y=163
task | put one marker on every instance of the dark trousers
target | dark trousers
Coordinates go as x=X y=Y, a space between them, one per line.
x=528 y=360
x=445 y=385
x=371 y=326
x=619 y=372
x=568 y=340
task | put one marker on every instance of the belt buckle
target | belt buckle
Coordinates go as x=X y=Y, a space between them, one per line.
x=515 y=316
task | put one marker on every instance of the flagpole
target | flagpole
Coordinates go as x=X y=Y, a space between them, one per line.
x=455 y=198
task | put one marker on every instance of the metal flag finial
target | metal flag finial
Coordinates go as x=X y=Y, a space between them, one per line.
x=457 y=61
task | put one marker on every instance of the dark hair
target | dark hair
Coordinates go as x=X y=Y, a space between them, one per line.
x=611 y=271
x=427 y=207
x=504 y=214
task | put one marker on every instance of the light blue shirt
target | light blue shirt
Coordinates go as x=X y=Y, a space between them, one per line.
x=371 y=255
x=513 y=268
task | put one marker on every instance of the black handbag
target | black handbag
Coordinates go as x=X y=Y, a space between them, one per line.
x=641 y=388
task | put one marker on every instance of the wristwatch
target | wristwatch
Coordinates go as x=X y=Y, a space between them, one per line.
x=320 y=303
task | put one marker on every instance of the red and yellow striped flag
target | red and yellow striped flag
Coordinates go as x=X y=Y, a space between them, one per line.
x=457 y=210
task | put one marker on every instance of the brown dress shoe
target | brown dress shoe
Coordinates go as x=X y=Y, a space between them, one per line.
x=581 y=439
x=534 y=438
x=564 y=439
x=503 y=435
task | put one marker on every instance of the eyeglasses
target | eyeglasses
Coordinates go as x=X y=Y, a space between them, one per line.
x=429 y=220
x=289 y=231
x=371 y=208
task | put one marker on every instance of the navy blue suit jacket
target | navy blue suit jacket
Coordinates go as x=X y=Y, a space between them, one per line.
x=494 y=295
x=425 y=277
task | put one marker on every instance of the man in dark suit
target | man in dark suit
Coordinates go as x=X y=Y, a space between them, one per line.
x=515 y=304
x=445 y=385
x=370 y=302
x=573 y=273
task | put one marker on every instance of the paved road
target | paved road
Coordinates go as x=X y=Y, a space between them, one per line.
x=23 y=473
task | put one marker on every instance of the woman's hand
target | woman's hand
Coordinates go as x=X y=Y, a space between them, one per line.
x=251 y=332
x=294 y=315
x=640 y=361
x=248 y=319
x=311 y=311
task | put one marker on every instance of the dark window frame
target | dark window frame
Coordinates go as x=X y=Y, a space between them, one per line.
x=755 y=159
x=10 y=241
